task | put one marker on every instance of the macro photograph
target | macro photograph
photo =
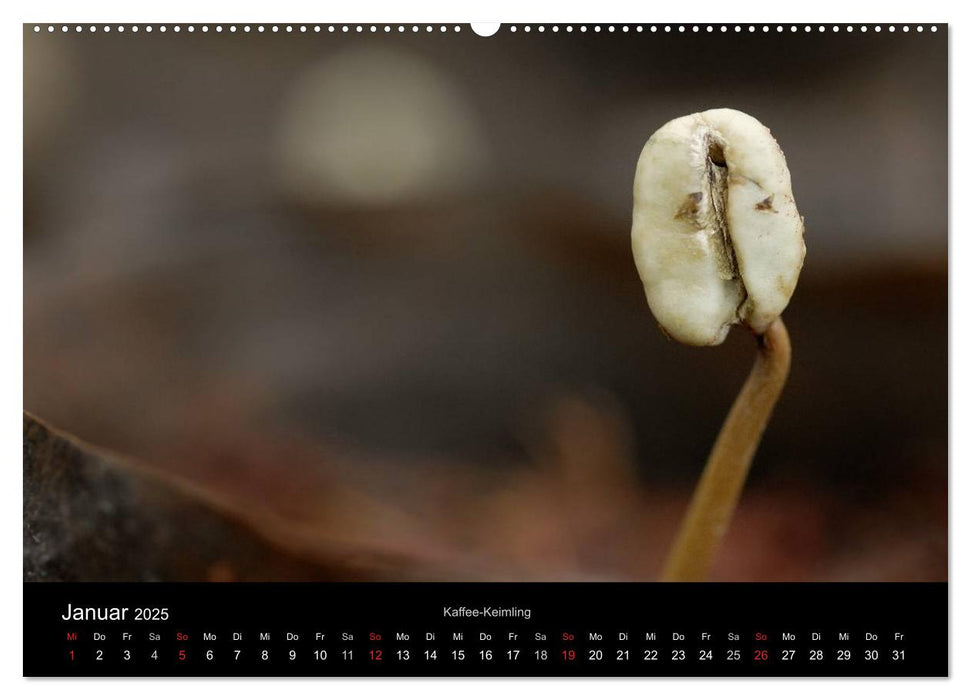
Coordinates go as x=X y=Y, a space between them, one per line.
x=566 y=303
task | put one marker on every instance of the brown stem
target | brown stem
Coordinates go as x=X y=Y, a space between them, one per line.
x=728 y=464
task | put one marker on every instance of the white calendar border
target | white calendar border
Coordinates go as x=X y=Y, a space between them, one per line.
x=11 y=373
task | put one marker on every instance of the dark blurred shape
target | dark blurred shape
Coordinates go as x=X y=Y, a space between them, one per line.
x=90 y=516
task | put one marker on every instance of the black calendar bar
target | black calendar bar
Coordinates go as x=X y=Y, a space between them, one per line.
x=495 y=629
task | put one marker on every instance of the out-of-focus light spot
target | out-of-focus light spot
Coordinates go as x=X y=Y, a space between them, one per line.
x=375 y=126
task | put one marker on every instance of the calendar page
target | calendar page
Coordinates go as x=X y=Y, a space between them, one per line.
x=485 y=350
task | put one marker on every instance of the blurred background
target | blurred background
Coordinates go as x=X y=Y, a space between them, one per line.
x=381 y=284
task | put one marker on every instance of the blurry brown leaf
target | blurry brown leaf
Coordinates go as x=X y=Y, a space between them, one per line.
x=90 y=515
